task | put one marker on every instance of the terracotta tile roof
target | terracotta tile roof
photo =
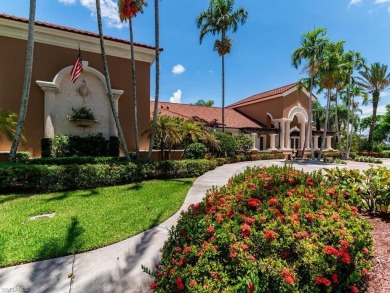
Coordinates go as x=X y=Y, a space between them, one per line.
x=261 y=96
x=233 y=119
x=71 y=30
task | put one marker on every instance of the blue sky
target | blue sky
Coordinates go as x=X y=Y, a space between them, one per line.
x=261 y=56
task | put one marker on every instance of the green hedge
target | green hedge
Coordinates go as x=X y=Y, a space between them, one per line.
x=49 y=178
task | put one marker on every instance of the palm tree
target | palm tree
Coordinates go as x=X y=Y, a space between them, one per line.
x=220 y=18
x=374 y=80
x=108 y=82
x=201 y=102
x=191 y=132
x=157 y=91
x=8 y=125
x=128 y=9
x=26 y=82
x=329 y=78
x=311 y=50
x=167 y=132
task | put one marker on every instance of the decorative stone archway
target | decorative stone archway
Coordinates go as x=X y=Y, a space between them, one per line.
x=61 y=95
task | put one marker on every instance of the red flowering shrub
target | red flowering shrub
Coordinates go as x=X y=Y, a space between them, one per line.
x=268 y=230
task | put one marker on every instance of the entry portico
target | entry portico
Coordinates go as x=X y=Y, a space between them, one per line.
x=284 y=110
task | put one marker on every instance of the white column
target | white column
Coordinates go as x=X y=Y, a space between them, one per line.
x=282 y=134
x=50 y=90
x=254 y=141
x=287 y=135
x=272 y=142
x=277 y=135
x=329 y=142
x=308 y=140
x=315 y=140
x=302 y=134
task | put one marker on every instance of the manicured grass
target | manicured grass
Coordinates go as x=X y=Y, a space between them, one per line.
x=84 y=219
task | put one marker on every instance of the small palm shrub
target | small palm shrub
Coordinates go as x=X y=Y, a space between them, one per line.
x=228 y=145
x=268 y=230
x=196 y=150
x=368 y=190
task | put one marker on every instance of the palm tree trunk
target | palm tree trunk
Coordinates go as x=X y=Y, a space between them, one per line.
x=223 y=84
x=108 y=82
x=337 y=119
x=375 y=101
x=157 y=47
x=309 y=127
x=26 y=82
x=223 y=93
x=326 y=126
x=347 y=147
x=136 y=137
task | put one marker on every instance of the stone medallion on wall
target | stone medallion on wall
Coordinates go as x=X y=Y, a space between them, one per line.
x=88 y=92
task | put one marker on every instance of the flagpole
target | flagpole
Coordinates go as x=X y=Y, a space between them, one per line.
x=81 y=62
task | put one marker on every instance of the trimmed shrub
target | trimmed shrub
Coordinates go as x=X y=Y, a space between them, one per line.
x=244 y=143
x=48 y=178
x=22 y=157
x=77 y=160
x=228 y=145
x=47 y=150
x=113 y=146
x=196 y=150
x=267 y=230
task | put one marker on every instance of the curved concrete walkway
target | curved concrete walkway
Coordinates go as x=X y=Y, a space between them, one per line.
x=117 y=268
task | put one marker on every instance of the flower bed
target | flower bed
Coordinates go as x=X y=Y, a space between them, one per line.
x=268 y=230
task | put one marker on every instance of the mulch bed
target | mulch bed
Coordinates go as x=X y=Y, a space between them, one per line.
x=379 y=277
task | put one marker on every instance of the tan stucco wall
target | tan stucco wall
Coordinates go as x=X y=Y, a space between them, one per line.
x=48 y=61
x=294 y=99
x=259 y=110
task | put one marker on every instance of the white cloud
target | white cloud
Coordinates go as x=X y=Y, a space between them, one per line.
x=354 y=2
x=178 y=69
x=68 y=2
x=109 y=10
x=176 y=97
x=381 y=1
x=367 y=110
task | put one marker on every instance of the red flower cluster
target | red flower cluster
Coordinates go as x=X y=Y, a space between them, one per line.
x=153 y=285
x=249 y=220
x=179 y=284
x=273 y=201
x=330 y=191
x=210 y=229
x=254 y=202
x=344 y=256
x=270 y=235
x=287 y=276
x=344 y=243
x=251 y=287
x=245 y=230
x=187 y=249
x=322 y=280
x=354 y=289
x=335 y=278
x=192 y=283
x=330 y=250
x=301 y=235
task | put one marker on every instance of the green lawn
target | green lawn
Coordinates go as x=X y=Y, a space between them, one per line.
x=84 y=219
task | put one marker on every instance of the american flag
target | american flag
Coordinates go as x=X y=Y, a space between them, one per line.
x=77 y=69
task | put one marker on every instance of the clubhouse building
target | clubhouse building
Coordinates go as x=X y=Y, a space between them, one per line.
x=275 y=119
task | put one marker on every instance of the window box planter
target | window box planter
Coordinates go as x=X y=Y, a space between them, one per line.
x=83 y=122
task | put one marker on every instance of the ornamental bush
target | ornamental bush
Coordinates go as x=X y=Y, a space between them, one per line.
x=49 y=178
x=196 y=150
x=227 y=145
x=268 y=230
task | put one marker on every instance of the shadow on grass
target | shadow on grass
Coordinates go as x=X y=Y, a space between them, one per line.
x=7 y=198
x=48 y=275
x=128 y=277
